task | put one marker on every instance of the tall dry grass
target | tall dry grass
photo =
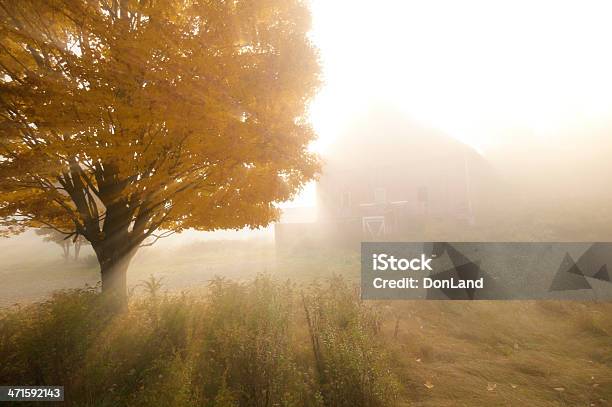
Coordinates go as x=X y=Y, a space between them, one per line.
x=262 y=343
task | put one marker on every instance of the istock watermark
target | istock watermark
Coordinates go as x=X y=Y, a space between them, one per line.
x=384 y=262
x=487 y=271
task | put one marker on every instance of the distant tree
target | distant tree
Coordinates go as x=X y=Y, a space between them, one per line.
x=64 y=241
x=52 y=235
x=124 y=121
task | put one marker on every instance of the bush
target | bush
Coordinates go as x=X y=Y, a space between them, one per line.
x=242 y=344
x=247 y=346
x=352 y=366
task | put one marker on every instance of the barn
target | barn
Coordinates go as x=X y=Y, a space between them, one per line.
x=389 y=178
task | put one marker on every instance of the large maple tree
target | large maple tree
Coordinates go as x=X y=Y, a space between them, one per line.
x=125 y=121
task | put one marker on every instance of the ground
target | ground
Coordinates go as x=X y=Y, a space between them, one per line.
x=504 y=353
x=513 y=353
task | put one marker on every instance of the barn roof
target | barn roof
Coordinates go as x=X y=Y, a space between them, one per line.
x=383 y=138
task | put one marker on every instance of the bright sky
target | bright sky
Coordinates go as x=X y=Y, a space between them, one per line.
x=467 y=67
x=470 y=68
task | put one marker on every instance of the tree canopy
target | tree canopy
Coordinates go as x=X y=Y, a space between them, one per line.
x=120 y=118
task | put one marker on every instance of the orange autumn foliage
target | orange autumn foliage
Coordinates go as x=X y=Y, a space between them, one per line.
x=123 y=118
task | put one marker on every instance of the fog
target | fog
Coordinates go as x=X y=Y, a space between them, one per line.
x=478 y=122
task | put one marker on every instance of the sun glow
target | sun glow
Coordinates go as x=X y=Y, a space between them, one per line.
x=470 y=68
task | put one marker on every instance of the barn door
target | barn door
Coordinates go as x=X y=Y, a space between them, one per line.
x=374 y=227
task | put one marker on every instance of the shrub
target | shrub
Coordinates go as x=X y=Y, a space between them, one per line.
x=353 y=367
x=241 y=344
x=247 y=346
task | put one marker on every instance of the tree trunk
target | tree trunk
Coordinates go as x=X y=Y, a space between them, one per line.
x=77 y=250
x=66 y=249
x=114 y=280
x=114 y=252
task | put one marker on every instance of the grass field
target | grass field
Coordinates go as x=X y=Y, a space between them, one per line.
x=412 y=353
x=503 y=353
x=31 y=270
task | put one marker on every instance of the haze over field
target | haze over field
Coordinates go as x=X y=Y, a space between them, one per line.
x=526 y=84
x=146 y=147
